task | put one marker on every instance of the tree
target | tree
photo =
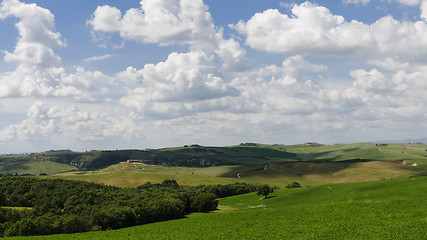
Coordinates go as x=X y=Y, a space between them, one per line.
x=204 y=202
x=293 y=185
x=24 y=227
x=264 y=190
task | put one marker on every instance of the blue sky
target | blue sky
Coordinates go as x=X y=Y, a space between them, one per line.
x=154 y=73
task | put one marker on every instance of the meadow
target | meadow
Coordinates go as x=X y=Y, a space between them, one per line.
x=35 y=167
x=275 y=174
x=387 y=209
x=349 y=191
x=309 y=164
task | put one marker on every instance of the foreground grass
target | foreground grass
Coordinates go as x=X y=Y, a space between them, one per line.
x=389 y=209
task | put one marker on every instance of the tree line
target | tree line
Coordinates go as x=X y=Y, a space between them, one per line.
x=34 y=206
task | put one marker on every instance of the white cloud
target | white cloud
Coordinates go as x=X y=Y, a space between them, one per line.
x=356 y=1
x=209 y=95
x=390 y=96
x=68 y=126
x=178 y=84
x=164 y=22
x=232 y=55
x=167 y=22
x=314 y=30
x=403 y=2
x=423 y=9
x=37 y=36
x=28 y=81
x=98 y=58
x=82 y=85
x=407 y=2
x=286 y=89
x=288 y=5
x=371 y=81
x=37 y=74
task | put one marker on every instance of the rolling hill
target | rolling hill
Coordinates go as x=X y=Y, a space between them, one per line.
x=391 y=209
x=310 y=164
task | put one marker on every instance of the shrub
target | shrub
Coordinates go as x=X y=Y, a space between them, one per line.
x=204 y=202
x=264 y=190
x=293 y=185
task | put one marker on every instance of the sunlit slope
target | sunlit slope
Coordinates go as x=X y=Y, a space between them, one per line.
x=275 y=174
x=359 y=151
x=390 y=209
x=254 y=163
x=34 y=167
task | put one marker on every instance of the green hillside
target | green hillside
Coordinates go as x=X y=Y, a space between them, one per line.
x=392 y=209
x=277 y=174
x=35 y=167
x=310 y=164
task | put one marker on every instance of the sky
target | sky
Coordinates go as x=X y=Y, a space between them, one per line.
x=85 y=75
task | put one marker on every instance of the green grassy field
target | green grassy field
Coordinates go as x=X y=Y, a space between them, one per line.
x=275 y=174
x=309 y=164
x=352 y=191
x=360 y=151
x=35 y=167
x=243 y=155
x=388 y=209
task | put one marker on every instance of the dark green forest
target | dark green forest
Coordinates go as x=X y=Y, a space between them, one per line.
x=33 y=206
x=187 y=156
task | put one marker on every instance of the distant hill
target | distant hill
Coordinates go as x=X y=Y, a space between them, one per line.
x=409 y=140
x=245 y=154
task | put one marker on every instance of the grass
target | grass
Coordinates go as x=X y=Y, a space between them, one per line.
x=35 y=167
x=277 y=174
x=388 y=209
x=360 y=151
x=132 y=175
x=243 y=156
x=18 y=208
x=345 y=200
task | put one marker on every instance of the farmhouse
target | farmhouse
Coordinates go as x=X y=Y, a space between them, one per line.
x=133 y=161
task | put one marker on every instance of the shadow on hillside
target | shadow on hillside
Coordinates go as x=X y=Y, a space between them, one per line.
x=313 y=156
x=268 y=197
x=293 y=169
x=13 y=167
x=251 y=155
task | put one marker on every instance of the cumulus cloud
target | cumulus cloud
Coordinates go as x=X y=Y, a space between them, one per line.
x=179 y=83
x=56 y=125
x=391 y=96
x=164 y=22
x=37 y=36
x=289 y=95
x=292 y=99
x=167 y=22
x=314 y=30
x=188 y=96
x=28 y=81
x=423 y=9
x=286 y=89
x=37 y=73
x=82 y=85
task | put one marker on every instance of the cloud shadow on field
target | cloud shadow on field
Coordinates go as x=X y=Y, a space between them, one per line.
x=13 y=167
x=321 y=156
